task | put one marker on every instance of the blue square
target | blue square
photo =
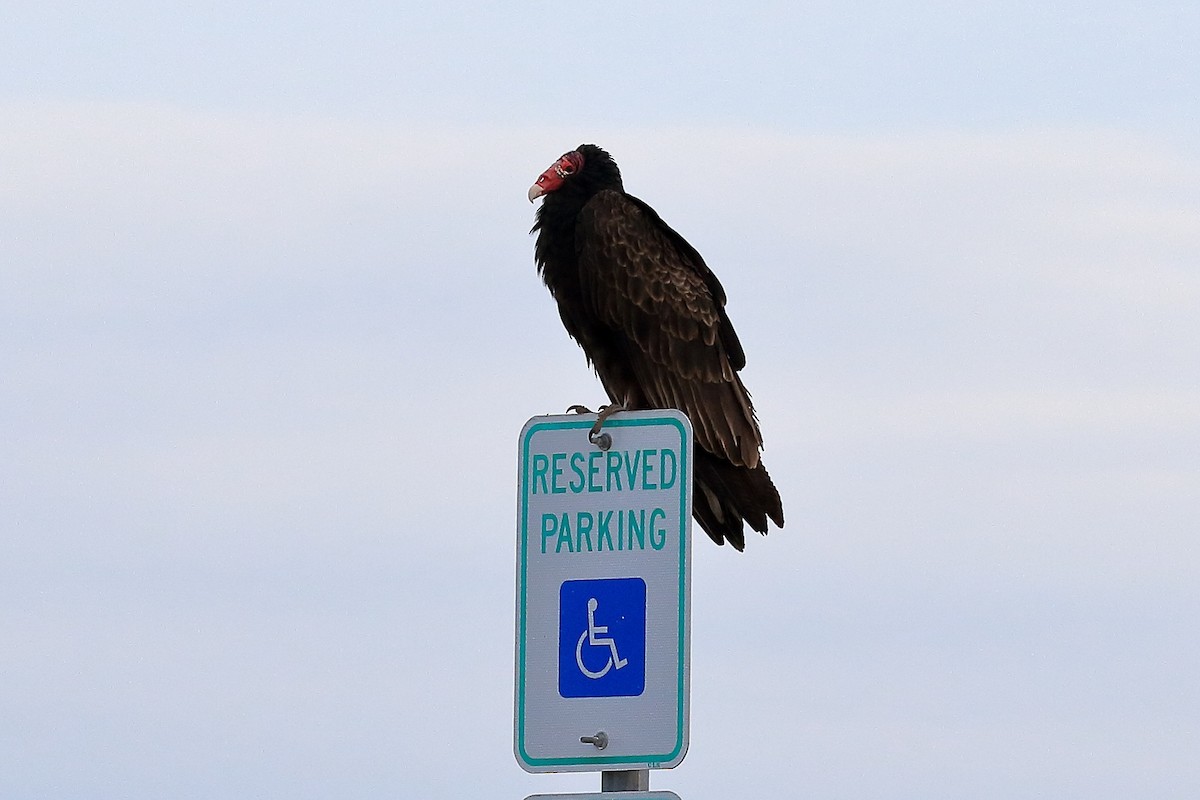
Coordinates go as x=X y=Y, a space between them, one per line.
x=602 y=638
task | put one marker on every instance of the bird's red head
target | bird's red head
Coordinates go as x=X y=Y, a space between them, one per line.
x=554 y=177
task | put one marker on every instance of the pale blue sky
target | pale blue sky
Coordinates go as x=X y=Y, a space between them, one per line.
x=796 y=66
x=271 y=327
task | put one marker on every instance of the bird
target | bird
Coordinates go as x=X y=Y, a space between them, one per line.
x=650 y=317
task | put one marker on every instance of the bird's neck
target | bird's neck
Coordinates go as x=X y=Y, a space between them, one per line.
x=555 y=247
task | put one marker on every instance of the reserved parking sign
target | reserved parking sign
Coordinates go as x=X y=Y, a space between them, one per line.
x=603 y=592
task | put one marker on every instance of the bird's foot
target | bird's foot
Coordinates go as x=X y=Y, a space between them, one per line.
x=603 y=440
x=603 y=415
x=578 y=409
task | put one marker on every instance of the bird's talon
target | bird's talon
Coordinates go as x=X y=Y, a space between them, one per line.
x=603 y=440
x=578 y=409
x=606 y=412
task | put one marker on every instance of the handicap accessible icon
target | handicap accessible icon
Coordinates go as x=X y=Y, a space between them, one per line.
x=602 y=638
x=592 y=635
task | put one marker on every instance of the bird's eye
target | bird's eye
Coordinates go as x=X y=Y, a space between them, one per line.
x=565 y=168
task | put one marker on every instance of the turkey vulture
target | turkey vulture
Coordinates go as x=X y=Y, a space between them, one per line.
x=650 y=317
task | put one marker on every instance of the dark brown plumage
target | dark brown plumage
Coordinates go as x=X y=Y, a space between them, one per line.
x=650 y=316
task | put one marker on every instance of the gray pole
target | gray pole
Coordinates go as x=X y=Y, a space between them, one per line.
x=625 y=780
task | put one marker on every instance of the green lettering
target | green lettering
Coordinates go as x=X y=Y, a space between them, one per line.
x=540 y=465
x=637 y=527
x=666 y=457
x=594 y=471
x=577 y=468
x=646 y=465
x=603 y=534
x=556 y=471
x=564 y=535
x=658 y=533
x=613 y=470
x=549 y=526
x=631 y=469
x=583 y=528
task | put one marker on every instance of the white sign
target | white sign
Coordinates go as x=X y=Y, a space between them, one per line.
x=603 y=593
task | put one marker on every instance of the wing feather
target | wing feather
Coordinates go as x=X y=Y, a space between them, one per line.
x=643 y=280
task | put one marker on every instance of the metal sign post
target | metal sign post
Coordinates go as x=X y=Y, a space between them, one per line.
x=606 y=796
x=603 y=597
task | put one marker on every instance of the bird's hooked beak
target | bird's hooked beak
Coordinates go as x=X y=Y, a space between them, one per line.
x=554 y=177
x=546 y=182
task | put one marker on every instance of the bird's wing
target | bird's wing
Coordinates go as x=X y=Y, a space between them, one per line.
x=642 y=279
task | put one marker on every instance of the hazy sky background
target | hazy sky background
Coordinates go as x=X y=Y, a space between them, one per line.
x=270 y=327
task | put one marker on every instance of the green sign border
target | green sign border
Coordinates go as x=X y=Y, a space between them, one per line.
x=654 y=760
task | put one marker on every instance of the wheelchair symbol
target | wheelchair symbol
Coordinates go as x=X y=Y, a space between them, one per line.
x=594 y=635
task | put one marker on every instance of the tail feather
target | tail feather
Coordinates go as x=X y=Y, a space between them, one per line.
x=727 y=495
